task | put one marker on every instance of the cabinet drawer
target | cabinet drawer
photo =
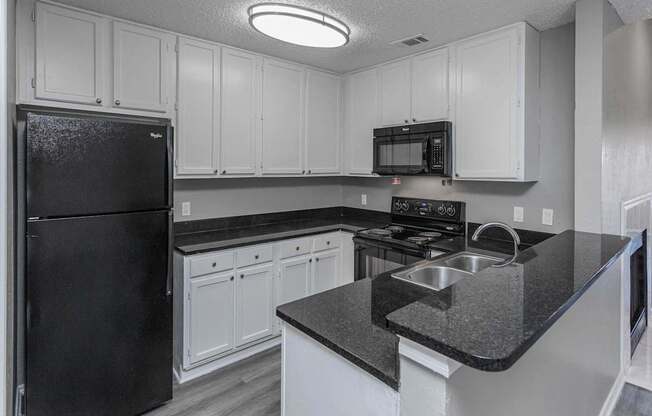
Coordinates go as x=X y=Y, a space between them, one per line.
x=253 y=255
x=328 y=241
x=296 y=247
x=210 y=263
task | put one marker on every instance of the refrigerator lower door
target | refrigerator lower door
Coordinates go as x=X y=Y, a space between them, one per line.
x=99 y=315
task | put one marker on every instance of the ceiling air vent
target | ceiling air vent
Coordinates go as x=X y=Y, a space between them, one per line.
x=410 y=41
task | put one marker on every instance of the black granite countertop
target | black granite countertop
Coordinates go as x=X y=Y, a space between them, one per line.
x=202 y=236
x=487 y=322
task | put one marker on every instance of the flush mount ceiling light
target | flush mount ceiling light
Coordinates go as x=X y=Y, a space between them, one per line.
x=298 y=25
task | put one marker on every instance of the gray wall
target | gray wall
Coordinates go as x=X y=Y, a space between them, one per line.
x=627 y=123
x=495 y=201
x=212 y=198
x=594 y=19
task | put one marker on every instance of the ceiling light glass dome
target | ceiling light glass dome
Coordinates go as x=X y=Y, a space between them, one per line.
x=298 y=25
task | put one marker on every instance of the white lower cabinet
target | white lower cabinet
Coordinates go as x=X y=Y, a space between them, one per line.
x=228 y=308
x=254 y=299
x=210 y=317
x=294 y=279
x=325 y=271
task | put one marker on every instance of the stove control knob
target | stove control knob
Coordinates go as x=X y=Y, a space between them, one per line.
x=405 y=206
x=450 y=210
x=397 y=205
x=441 y=210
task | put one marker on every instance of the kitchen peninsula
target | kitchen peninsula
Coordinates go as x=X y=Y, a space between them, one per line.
x=543 y=334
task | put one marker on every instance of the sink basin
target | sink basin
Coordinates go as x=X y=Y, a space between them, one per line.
x=471 y=262
x=432 y=276
x=440 y=273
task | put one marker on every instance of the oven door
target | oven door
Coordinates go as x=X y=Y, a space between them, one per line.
x=401 y=155
x=373 y=258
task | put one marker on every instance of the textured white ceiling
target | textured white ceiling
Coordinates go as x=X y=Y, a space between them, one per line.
x=373 y=23
x=632 y=10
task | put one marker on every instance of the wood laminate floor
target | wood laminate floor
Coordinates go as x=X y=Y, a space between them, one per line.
x=251 y=387
x=634 y=401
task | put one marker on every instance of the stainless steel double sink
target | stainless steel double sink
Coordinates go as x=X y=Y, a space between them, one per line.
x=438 y=274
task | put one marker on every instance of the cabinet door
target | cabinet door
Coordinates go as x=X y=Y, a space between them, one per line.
x=69 y=55
x=140 y=67
x=322 y=123
x=211 y=316
x=254 y=304
x=486 y=104
x=240 y=84
x=198 y=108
x=361 y=119
x=430 y=90
x=395 y=93
x=325 y=272
x=282 y=141
x=294 y=279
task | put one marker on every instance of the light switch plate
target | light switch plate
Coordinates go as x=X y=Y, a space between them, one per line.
x=519 y=213
x=185 y=209
x=547 y=216
x=363 y=199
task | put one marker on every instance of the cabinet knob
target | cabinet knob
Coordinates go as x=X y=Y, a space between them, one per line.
x=309 y=172
x=231 y=278
x=224 y=172
x=298 y=248
x=317 y=259
x=256 y=256
x=310 y=261
x=303 y=172
x=407 y=121
x=242 y=276
x=214 y=265
x=414 y=120
x=117 y=102
x=98 y=100
x=215 y=171
x=457 y=175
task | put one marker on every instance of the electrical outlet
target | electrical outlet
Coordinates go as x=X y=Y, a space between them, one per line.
x=185 y=209
x=363 y=199
x=546 y=216
x=519 y=213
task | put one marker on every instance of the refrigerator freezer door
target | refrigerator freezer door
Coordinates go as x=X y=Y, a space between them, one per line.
x=99 y=325
x=81 y=165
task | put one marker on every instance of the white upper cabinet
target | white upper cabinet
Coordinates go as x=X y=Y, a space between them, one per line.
x=322 y=123
x=254 y=304
x=282 y=129
x=362 y=116
x=141 y=60
x=395 y=93
x=430 y=86
x=496 y=95
x=69 y=55
x=240 y=97
x=211 y=319
x=198 y=102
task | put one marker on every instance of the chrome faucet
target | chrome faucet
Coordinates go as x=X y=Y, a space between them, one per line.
x=510 y=230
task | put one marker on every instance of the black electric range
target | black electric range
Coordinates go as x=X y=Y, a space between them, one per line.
x=417 y=229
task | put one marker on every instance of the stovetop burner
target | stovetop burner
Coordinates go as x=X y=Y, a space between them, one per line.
x=379 y=231
x=395 y=228
x=417 y=239
x=430 y=234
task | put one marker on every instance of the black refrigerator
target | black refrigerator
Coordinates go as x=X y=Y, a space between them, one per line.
x=95 y=199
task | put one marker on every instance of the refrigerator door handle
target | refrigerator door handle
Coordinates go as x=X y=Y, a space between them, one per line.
x=168 y=285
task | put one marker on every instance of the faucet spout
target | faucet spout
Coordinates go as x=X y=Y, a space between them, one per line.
x=512 y=232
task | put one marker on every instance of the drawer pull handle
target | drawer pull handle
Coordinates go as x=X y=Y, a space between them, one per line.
x=214 y=265
x=256 y=256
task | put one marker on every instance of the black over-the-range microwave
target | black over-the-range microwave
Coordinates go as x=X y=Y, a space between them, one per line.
x=416 y=149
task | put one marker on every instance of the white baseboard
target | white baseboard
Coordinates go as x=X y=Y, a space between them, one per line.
x=614 y=395
x=184 y=376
